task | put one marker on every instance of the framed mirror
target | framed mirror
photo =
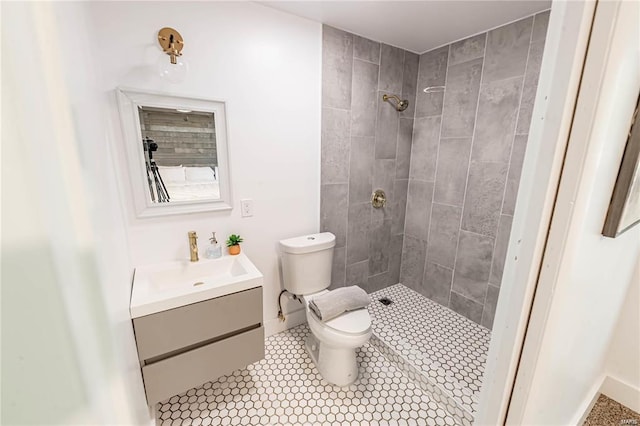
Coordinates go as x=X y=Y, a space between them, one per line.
x=177 y=153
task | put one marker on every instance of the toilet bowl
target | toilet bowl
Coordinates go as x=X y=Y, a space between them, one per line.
x=332 y=345
x=306 y=272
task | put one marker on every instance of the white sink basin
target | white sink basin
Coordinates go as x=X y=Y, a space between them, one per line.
x=172 y=284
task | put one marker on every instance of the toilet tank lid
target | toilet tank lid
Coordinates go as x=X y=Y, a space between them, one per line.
x=308 y=243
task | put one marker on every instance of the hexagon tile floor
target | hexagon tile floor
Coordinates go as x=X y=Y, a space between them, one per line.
x=286 y=389
x=438 y=347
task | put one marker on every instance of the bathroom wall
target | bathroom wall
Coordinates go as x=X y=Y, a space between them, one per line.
x=266 y=65
x=67 y=340
x=366 y=145
x=466 y=158
x=622 y=366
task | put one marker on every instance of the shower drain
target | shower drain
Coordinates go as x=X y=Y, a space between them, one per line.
x=385 y=301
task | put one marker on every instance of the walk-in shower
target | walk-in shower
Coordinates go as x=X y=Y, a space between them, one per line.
x=449 y=159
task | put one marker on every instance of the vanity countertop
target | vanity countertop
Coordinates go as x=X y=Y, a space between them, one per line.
x=169 y=285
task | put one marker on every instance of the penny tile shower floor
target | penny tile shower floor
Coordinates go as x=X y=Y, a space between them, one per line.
x=286 y=389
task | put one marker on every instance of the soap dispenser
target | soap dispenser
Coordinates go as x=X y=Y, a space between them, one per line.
x=214 y=250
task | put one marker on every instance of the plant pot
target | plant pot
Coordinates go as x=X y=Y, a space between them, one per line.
x=233 y=250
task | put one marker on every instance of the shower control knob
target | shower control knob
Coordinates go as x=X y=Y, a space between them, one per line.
x=378 y=199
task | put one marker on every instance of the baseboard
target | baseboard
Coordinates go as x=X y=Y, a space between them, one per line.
x=588 y=403
x=623 y=392
x=292 y=319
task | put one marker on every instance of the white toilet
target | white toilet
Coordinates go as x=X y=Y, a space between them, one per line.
x=306 y=267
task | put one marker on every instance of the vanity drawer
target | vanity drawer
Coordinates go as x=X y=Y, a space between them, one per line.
x=164 y=332
x=179 y=373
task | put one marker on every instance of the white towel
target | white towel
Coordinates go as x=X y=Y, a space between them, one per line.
x=338 y=301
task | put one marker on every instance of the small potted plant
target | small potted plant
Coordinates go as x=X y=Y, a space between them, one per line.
x=234 y=244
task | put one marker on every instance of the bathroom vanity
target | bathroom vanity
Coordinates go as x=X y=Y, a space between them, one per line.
x=206 y=325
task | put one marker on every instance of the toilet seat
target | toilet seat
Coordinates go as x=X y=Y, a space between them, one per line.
x=352 y=322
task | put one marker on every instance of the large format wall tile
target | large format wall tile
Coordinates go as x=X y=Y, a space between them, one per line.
x=530 y=87
x=383 y=178
x=443 y=235
x=403 y=150
x=507 y=48
x=450 y=164
x=395 y=258
x=338 y=268
x=386 y=129
x=399 y=206
x=391 y=67
x=453 y=167
x=358 y=273
x=467 y=49
x=365 y=144
x=410 y=82
x=337 y=64
x=473 y=265
x=496 y=123
x=412 y=268
x=366 y=50
x=540 y=24
x=490 y=303
x=466 y=307
x=358 y=232
x=500 y=251
x=379 y=238
x=483 y=199
x=335 y=145
x=432 y=72
x=513 y=177
x=361 y=169
x=419 y=198
x=377 y=282
x=333 y=211
x=437 y=283
x=461 y=99
x=363 y=99
x=424 y=149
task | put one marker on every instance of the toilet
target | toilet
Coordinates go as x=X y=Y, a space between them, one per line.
x=306 y=269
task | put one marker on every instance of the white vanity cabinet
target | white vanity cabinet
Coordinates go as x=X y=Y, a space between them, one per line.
x=187 y=346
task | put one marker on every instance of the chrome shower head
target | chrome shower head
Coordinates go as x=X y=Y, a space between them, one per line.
x=401 y=104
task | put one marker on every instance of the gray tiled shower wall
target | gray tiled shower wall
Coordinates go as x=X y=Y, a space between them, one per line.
x=366 y=145
x=450 y=164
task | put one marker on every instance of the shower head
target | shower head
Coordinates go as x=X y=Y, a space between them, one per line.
x=401 y=104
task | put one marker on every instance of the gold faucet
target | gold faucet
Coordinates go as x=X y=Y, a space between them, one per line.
x=193 y=246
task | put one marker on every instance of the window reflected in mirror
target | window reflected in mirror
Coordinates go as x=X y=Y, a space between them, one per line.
x=180 y=153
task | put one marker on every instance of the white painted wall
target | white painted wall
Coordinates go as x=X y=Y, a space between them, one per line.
x=67 y=341
x=584 y=276
x=623 y=360
x=266 y=64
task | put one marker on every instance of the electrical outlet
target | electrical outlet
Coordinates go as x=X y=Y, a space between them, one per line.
x=246 y=207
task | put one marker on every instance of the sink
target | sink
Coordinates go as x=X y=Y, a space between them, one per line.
x=169 y=285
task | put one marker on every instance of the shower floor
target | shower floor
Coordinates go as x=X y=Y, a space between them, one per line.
x=436 y=346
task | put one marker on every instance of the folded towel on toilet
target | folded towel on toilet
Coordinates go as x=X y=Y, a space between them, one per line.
x=338 y=301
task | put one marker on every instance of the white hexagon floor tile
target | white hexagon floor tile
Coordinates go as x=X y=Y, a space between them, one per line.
x=286 y=389
x=447 y=348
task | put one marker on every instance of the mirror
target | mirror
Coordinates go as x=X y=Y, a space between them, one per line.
x=177 y=153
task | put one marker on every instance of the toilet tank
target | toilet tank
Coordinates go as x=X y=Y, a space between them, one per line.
x=306 y=262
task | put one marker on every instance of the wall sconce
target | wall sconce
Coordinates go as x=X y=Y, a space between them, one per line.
x=171 y=42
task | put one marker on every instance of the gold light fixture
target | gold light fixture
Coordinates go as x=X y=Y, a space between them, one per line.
x=171 y=42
